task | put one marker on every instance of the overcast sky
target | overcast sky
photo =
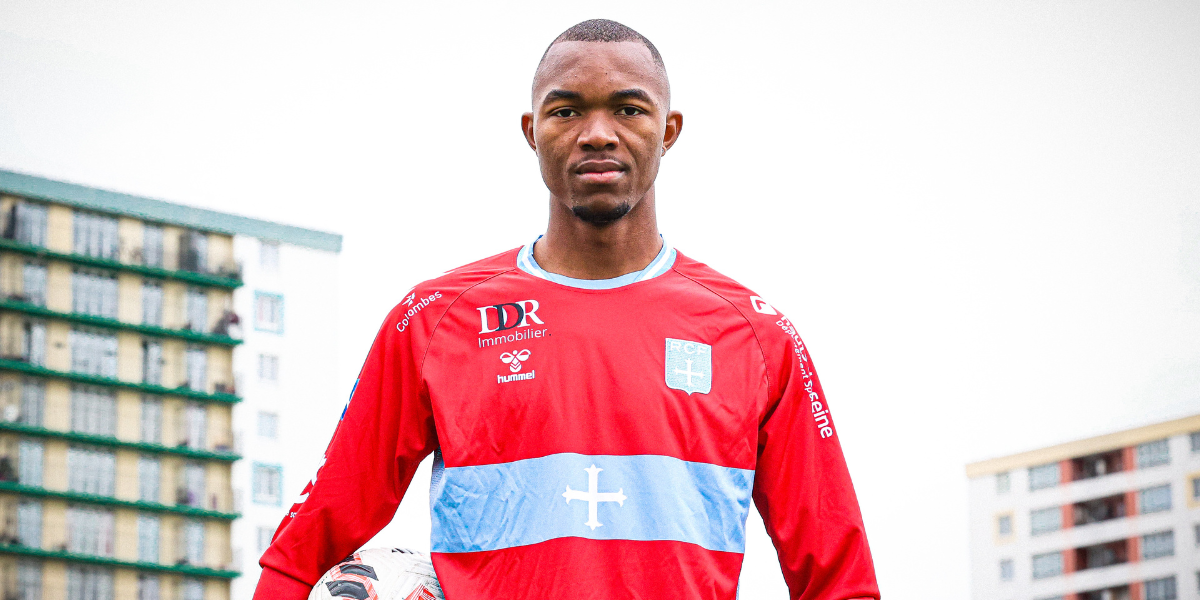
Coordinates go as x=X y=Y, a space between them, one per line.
x=984 y=217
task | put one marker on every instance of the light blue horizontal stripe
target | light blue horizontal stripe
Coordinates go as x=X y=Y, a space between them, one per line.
x=491 y=507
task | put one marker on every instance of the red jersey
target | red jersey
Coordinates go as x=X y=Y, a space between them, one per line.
x=594 y=440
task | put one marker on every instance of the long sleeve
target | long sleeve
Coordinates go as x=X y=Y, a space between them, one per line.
x=802 y=487
x=385 y=431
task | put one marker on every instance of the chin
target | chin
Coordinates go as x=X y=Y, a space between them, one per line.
x=603 y=212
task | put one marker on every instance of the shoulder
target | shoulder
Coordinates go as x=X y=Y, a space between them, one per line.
x=419 y=310
x=775 y=333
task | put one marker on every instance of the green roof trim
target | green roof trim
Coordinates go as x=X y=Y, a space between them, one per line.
x=188 y=511
x=49 y=190
x=104 y=440
x=105 y=322
x=114 y=562
x=205 y=279
x=24 y=367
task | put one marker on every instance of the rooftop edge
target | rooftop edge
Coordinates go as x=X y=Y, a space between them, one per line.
x=40 y=188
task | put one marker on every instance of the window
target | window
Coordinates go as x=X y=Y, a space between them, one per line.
x=268 y=367
x=264 y=538
x=29 y=523
x=148 y=587
x=93 y=410
x=192 y=589
x=195 y=427
x=1043 y=476
x=1161 y=589
x=96 y=235
x=268 y=312
x=1196 y=528
x=152 y=246
x=147 y=532
x=93 y=353
x=1155 y=499
x=1003 y=482
x=1045 y=520
x=152 y=362
x=91 y=471
x=191 y=540
x=29 y=223
x=149 y=471
x=33 y=402
x=191 y=488
x=268 y=425
x=151 y=420
x=1004 y=525
x=89 y=583
x=1152 y=454
x=268 y=484
x=94 y=294
x=197 y=310
x=197 y=368
x=1196 y=488
x=29 y=580
x=152 y=304
x=34 y=284
x=1158 y=545
x=268 y=256
x=90 y=531
x=193 y=252
x=1195 y=438
x=1006 y=570
x=29 y=467
x=34 y=343
x=1047 y=565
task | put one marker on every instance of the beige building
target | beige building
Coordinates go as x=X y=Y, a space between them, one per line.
x=117 y=394
x=1113 y=517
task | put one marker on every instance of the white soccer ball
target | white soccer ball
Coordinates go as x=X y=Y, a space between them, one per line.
x=380 y=574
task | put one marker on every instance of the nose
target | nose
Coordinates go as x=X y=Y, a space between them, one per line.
x=598 y=134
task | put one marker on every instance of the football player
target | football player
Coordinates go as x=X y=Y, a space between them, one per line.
x=602 y=408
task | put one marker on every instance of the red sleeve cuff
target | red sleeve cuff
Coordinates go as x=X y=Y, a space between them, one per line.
x=273 y=585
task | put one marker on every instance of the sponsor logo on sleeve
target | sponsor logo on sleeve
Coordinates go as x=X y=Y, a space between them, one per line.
x=761 y=306
x=415 y=307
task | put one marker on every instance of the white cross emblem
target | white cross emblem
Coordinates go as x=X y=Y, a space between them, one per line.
x=593 y=496
x=689 y=366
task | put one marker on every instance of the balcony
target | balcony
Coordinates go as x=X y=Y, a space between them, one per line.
x=219 y=334
x=191 y=571
x=112 y=442
x=224 y=392
x=226 y=276
x=188 y=511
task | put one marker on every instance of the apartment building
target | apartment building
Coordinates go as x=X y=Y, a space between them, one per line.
x=141 y=348
x=1113 y=517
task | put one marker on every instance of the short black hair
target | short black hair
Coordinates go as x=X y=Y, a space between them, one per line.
x=604 y=30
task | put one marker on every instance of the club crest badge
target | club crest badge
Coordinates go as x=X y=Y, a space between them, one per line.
x=689 y=366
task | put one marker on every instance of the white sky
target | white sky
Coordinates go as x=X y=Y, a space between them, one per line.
x=984 y=217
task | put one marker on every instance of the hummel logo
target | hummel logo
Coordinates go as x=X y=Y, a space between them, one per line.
x=513 y=359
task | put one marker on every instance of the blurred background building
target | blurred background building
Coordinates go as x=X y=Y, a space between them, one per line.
x=1114 y=517
x=154 y=358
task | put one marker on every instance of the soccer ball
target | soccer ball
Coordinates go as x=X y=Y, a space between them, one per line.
x=380 y=574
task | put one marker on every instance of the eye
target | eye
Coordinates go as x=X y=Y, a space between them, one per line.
x=629 y=111
x=565 y=112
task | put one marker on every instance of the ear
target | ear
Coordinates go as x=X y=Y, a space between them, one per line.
x=674 y=126
x=527 y=129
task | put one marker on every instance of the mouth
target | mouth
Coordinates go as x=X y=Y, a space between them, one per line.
x=600 y=171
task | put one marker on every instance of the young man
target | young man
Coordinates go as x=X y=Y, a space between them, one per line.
x=602 y=408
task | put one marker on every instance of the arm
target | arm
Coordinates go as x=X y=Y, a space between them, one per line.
x=385 y=432
x=801 y=485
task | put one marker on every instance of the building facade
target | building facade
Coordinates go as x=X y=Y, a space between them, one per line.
x=1114 y=517
x=133 y=341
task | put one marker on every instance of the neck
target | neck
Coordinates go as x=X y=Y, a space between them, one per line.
x=577 y=249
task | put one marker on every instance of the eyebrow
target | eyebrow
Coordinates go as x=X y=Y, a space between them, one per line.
x=632 y=94
x=561 y=95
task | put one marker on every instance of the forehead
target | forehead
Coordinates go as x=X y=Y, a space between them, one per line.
x=599 y=67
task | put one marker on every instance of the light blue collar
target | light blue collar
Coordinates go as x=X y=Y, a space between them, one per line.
x=661 y=264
